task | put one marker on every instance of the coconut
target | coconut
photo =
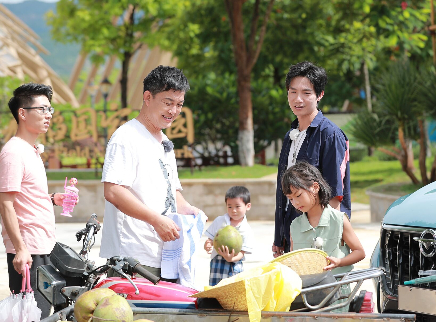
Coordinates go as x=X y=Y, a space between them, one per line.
x=228 y=236
x=113 y=308
x=88 y=301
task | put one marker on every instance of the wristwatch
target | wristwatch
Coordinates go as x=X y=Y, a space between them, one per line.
x=52 y=198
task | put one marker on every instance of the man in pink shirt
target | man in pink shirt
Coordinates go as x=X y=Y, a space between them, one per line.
x=26 y=207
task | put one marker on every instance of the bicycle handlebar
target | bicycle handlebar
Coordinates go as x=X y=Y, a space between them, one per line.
x=92 y=227
x=94 y=222
x=137 y=268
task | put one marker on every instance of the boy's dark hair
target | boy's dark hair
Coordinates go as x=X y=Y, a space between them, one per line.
x=24 y=94
x=165 y=78
x=302 y=175
x=316 y=75
x=238 y=192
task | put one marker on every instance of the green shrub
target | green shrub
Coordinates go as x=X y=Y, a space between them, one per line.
x=357 y=154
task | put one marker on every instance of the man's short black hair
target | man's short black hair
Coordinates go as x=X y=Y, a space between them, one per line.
x=238 y=192
x=165 y=78
x=24 y=95
x=316 y=75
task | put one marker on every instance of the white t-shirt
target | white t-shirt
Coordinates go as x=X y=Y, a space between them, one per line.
x=243 y=228
x=294 y=150
x=132 y=160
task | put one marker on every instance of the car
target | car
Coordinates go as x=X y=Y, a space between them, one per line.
x=406 y=250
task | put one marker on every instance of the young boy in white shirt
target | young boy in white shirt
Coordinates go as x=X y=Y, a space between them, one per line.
x=224 y=264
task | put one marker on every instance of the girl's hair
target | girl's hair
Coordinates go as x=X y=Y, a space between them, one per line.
x=302 y=175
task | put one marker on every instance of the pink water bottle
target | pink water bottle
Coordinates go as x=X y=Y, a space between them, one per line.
x=70 y=197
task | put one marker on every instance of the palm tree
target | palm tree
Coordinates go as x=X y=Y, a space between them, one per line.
x=406 y=96
x=428 y=101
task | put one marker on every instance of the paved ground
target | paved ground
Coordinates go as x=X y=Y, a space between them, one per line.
x=367 y=232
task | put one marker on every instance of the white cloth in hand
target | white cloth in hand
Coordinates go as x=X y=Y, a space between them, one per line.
x=177 y=255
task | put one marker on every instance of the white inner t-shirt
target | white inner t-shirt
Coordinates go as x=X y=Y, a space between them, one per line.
x=293 y=152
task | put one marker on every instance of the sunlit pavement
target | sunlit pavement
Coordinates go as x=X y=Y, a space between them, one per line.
x=367 y=232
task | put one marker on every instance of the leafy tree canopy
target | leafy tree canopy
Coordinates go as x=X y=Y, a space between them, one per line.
x=338 y=35
x=113 y=27
x=103 y=27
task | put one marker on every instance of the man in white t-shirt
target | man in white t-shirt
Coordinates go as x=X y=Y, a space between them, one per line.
x=26 y=208
x=141 y=184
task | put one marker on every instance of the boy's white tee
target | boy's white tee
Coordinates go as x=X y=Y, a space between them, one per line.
x=132 y=160
x=243 y=228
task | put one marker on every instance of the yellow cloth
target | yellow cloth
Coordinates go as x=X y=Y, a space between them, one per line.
x=269 y=287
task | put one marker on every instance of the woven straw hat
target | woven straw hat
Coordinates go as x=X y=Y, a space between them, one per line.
x=231 y=296
x=304 y=261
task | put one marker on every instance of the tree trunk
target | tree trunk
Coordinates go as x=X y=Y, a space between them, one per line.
x=245 y=55
x=410 y=157
x=388 y=152
x=367 y=87
x=404 y=160
x=245 y=153
x=246 y=133
x=277 y=76
x=433 y=171
x=368 y=97
x=127 y=55
x=409 y=172
x=124 y=78
x=234 y=10
x=422 y=151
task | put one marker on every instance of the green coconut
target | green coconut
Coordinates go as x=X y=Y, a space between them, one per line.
x=228 y=236
x=88 y=301
x=113 y=308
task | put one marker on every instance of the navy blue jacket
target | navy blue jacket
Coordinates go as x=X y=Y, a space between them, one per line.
x=325 y=147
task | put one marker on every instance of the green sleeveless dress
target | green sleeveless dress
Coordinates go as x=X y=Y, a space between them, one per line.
x=330 y=229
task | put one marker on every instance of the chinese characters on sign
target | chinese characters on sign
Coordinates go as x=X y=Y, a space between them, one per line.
x=183 y=127
x=76 y=133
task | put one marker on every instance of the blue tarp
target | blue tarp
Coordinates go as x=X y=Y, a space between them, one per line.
x=432 y=131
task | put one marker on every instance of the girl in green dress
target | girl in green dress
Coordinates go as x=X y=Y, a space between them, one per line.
x=320 y=226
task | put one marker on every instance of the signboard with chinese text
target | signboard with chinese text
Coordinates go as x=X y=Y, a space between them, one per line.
x=79 y=133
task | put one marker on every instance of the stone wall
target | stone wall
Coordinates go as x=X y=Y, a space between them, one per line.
x=379 y=204
x=91 y=200
x=206 y=194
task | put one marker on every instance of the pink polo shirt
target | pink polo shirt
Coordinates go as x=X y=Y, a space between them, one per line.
x=22 y=171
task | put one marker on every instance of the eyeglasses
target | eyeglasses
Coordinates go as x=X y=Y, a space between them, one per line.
x=42 y=109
